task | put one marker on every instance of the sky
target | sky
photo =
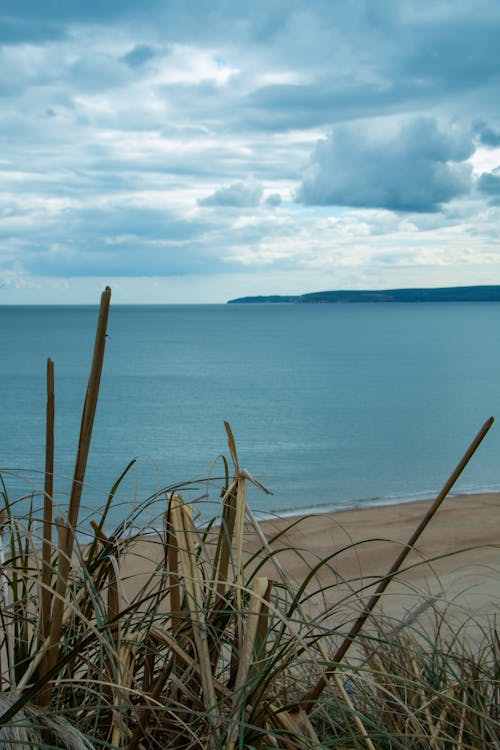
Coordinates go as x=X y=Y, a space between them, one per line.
x=192 y=151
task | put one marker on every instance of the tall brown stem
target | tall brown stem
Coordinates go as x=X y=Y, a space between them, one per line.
x=66 y=548
x=46 y=598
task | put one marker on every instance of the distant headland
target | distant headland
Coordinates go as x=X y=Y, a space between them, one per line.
x=443 y=294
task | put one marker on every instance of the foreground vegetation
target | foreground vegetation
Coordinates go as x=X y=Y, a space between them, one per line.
x=179 y=638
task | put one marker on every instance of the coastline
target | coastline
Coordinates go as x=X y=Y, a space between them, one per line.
x=465 y=520
x=367 y=503
x=455 y=566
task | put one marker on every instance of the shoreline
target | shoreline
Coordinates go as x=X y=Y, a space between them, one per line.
x=454 y=567
x=456 y=561
x=471 y=521
x=464 y=513
x=362 y=504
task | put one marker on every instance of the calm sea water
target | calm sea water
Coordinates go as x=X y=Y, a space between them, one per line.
x=330 y=405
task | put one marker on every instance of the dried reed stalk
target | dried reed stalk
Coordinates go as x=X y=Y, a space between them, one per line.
x=114 y=599
x=224 y=548
x=172 y=559
x=46 y=594
x=66 y=550
x=231 y=514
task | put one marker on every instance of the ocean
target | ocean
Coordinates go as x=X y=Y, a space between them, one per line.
x=331 y=405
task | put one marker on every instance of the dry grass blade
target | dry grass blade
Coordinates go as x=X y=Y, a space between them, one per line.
x=241 y=504
x=355 y=715
x=262 y=627
x=312 y=695
x=462 y=721
x=172 y=560
x=231 y=528
x=33 y=728
x=184 y=529
x=114 y=599
x=417 y=680
x=162 y=637
x=232 y=447
x=122 y=683
x=224 y=546
x=248 y=647
x=295 y=730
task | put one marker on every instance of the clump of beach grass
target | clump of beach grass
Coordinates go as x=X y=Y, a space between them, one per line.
x=210 y=646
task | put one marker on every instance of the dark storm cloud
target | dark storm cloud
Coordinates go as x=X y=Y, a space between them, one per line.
x=383 y=58
x=17 y=30
x=289 y=106
x=489 y=184
x=457 y=49
x=487 y=135
x=139 y=55
x=166 y=19
x=274 y=200
x=417 y=167
x=71 y=11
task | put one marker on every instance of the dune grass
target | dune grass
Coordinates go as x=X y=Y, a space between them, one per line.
x=179 y=638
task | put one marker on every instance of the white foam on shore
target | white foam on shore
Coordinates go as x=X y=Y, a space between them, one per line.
x=370 y=502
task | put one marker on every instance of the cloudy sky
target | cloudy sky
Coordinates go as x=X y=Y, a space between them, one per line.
x=197 y=150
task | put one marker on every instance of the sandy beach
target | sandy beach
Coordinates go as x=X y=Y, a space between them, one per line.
x=456 y=562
